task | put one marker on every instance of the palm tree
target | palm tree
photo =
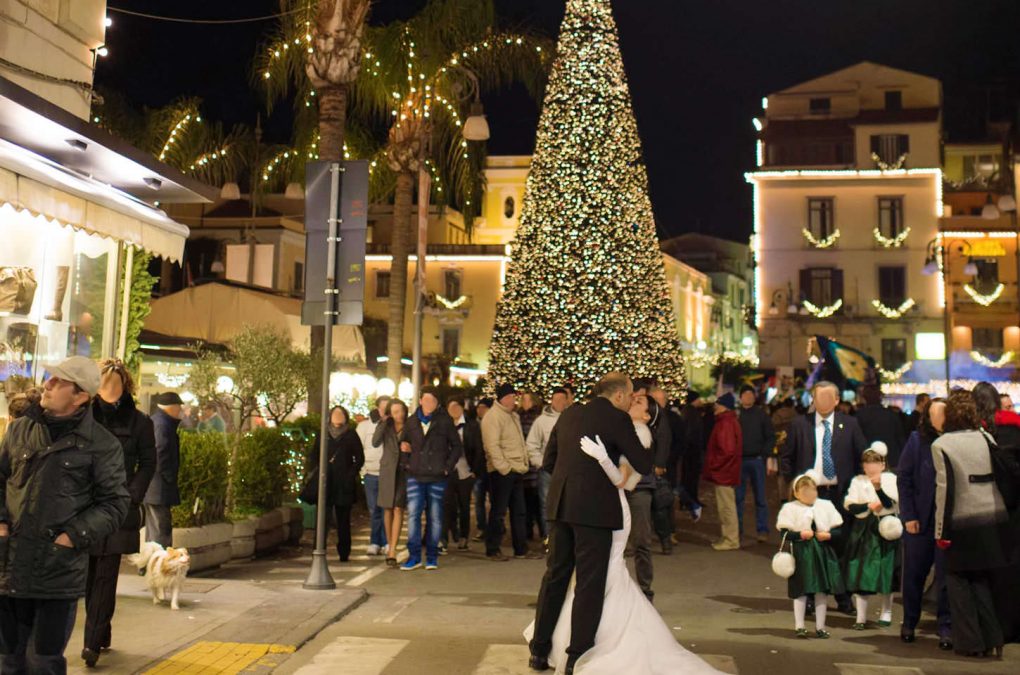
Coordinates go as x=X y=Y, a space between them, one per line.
x=416 y=75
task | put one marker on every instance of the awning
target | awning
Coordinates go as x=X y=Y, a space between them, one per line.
x=215 y=312
x=31 y=182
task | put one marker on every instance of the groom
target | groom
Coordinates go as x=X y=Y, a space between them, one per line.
x=584 y=509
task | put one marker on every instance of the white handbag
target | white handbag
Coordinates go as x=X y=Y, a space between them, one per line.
x=783 y=563
x=890 y=527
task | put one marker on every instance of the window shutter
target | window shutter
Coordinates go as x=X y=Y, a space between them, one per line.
x=904 y=143
x=805 y=284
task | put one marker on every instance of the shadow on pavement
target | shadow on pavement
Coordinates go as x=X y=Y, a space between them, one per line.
x=755 y=604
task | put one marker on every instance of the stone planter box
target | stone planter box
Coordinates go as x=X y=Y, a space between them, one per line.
x=208 y=546
x=294 y=516
x=242 y=543
x=270 y=532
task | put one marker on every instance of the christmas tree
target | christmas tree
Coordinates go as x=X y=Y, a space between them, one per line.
x=586 y=289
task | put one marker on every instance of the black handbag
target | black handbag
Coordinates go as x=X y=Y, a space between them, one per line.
x=310 y=491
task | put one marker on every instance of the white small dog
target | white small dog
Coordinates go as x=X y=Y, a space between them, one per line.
x=165 y=570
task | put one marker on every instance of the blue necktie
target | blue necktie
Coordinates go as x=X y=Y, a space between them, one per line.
x=828 y=466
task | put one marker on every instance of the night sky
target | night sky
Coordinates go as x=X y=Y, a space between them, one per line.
x=697 y=68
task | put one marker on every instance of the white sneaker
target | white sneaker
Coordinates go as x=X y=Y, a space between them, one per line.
x=372 y=549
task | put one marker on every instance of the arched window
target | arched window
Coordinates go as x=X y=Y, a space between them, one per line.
x=509 y=207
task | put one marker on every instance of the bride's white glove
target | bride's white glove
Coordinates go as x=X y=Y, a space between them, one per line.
x=597 y=451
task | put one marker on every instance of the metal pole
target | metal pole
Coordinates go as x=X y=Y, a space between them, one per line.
x=125 y=307
x=948 y=340
x=319 y=578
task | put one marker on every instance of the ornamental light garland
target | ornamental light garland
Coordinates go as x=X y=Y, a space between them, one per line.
x=821 y=243
x=895 y=375
x=822 y=312
x=586 y=289
x=895 y=166
x=451 y=304
x=893 y=313
x=1006 y=358
x=980 y=298
x=891 y=242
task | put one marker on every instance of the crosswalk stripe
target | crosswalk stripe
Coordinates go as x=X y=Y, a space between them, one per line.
x=355 y=656
x=399 y=605
x=504 y=660
x=871 y=669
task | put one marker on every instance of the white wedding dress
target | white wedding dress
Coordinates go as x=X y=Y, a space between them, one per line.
x=632 y=638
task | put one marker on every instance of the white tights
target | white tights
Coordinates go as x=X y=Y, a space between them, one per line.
x=861 y=601
x=800 y=611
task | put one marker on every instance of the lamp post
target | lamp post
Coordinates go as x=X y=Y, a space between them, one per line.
x=938 y=258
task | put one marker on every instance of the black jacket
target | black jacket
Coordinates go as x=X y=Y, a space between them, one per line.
x=580 y=493
x=163 y=488
x=758 y=434
x=346 y=457
x=848 y=444
x=883 y=424
x=434 y=454
x=678 y=442
x=133 y=429
x=74 y=485
x=474 y=451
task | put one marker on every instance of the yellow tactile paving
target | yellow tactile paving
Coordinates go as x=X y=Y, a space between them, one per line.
x=209 y=658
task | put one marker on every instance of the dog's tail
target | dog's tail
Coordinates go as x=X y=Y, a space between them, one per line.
x=145 y=553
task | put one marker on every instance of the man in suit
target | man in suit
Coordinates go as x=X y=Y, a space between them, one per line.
x=583 y=509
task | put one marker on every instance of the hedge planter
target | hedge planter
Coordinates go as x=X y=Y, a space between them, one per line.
x=294 y=517
x=242 y=544
x=270 y=532
x=208 y=546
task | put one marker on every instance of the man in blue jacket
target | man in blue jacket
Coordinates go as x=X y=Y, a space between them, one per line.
x=163 y=493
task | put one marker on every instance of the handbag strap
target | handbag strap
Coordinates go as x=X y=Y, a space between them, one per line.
x=782 y=544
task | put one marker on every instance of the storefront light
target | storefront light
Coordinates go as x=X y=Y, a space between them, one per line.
x=224 y=384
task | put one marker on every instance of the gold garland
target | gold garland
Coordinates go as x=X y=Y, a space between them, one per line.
x=895 y=375
x=891 y=242
x=895 y=166
x=984 y=300
x=823 y=312
x=980 y=358
x=823 y=243
x=451 y=304
x=891 y=313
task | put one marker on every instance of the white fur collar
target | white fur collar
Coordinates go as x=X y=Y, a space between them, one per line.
x=861 y=491
x=798 y=517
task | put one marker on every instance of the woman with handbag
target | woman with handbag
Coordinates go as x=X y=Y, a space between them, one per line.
x=870 y=558
x=392 y=476
x=114 y=408
x=346 y=457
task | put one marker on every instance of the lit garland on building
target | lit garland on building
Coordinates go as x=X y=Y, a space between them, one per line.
x=891 y=242
x=451 y=304
x=822 y=312
x=893 y=313
x=586 y=289
x=895 y=166
x=895 y=375
x=821 y=243
x=980 y=298
x=1005 y=359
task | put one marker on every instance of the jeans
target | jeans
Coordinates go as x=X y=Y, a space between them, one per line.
x=418 y=496
x=371 y=497
x=481 y=486
x=507 y=493
x=39 y=628
x=752 y=471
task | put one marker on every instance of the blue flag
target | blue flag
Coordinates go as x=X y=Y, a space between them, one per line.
x=845 y=365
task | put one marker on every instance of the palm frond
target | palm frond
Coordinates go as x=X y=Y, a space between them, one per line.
x=279 y=65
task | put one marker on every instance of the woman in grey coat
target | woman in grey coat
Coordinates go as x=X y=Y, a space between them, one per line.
x=392 y=478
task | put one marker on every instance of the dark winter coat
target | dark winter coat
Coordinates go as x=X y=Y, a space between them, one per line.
x=474 y=451
x=72 y=486
x=882 y=424
x=346 y=457
x=133 y=429
x=915 y=482
x=759 y=437
x=678 y=442
x=724 y=453
x=434 y=454
x=392 y=476
x=163 y=488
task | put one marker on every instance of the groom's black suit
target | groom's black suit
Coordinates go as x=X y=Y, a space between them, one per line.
x=584 y=509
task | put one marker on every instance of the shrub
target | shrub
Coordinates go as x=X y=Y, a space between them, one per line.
x=202 y=479
x=260 y=472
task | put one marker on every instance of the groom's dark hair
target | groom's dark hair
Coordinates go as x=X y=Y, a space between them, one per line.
x=612 y=383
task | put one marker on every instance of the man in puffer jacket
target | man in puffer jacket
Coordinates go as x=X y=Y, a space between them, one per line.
x=61 y=491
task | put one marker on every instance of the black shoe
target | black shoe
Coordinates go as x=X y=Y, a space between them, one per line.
x=539 y=663
x=945 y=644
x=847 y=608
x=91 y=657
x=497 y=556
x=908 y=636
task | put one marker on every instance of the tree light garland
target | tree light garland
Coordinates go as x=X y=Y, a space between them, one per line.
x=586 y=289
x=822 y=312
x=891 y=313
x=821 y=243
x=891 y=242
x=1006 y=358
x=981 y=299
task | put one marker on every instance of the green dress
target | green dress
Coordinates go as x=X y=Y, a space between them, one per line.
x=870 y=562
x=818 y=569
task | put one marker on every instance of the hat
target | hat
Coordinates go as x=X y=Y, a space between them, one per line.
x=487 y=402
x=505 y=390
x=168 y=398
x=727 y=401
x=692 y=396
x=80 y=370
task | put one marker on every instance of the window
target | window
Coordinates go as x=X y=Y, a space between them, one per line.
x=382 y=284
x=894 y=353
x=299 y=277
x=820 y=217
x=509 y=207
x=988 y=341
x=980 y=166
x=987 y=278
x=890 y=147
x=451 y=342
x=820 y=106
x=892 y=286
x=823 y=286
x=894 y=100
x=890 y=216
x=451 y=284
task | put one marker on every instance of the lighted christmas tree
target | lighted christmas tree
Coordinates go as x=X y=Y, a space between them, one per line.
x=586 y=288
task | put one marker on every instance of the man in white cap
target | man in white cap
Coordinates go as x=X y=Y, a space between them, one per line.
x=61 y=490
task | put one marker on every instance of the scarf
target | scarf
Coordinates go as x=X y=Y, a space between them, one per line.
x=61 y=426
x=423 y=418
x=336 y=432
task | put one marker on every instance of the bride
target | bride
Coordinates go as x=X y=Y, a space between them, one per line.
x=631 y=637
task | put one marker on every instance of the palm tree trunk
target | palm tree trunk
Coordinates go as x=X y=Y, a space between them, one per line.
x=332 y=121
x=399 y=246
